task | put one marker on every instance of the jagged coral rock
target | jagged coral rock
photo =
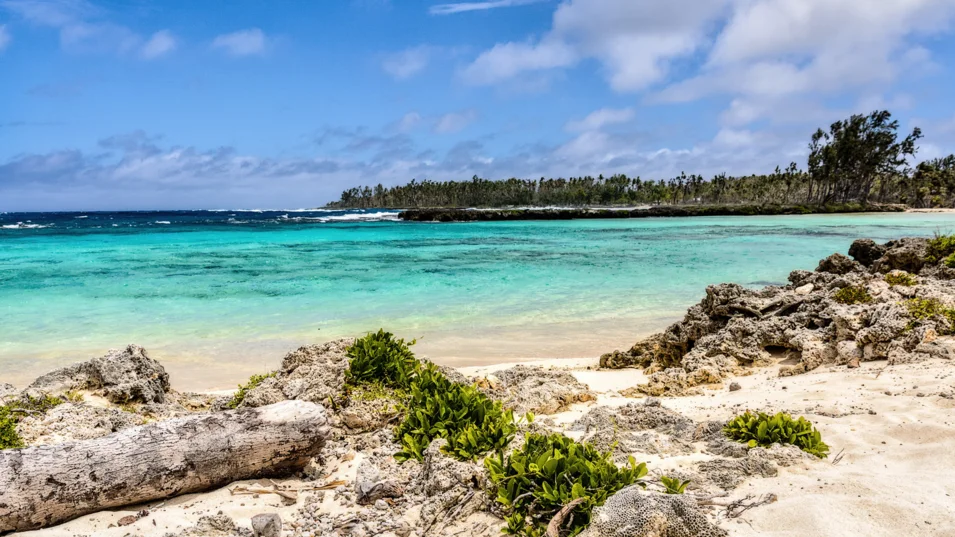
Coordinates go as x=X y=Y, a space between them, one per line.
x=633 y=512
x=124 y=376
x=734 y=328
x=68 y=422
x=535 y=389
x=313 y=373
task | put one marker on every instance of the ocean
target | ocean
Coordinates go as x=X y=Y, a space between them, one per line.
x=219 y=295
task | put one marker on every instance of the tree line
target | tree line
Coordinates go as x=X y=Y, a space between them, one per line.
x=861 y=159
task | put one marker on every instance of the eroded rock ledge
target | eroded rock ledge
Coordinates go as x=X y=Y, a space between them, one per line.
x=807 y=323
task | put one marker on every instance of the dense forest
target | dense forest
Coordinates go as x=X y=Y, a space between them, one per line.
x=860 y=159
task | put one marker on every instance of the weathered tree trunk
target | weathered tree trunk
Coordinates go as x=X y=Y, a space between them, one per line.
x=45 y=485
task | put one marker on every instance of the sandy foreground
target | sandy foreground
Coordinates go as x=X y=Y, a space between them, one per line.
x=894 y=429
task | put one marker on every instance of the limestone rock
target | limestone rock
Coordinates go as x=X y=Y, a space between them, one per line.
x=267 y=525
x=124 y=376
x=538 y=390
x=69 y=421
x=314 y=373
x=633 y=512
x=866 y=251
x=838 y=264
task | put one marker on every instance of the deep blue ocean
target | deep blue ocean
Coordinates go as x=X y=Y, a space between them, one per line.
x=218 y=295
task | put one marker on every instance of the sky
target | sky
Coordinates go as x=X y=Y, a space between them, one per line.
x=136 y=104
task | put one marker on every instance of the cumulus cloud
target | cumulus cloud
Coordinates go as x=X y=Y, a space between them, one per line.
x=597 y=119
x=407 y=63
x=83 y=31
x=250 y=42
x=4 y=37
x=462 y=7
x=160 y=44
x=633 y=39
x=454 y=121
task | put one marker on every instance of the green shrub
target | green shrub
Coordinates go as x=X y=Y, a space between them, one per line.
x=924 y=309
x=243 y=390
x=900 y=278
x=949 y=261
x=939 y=248
x=9 y=438
x=471 y=422
x=533 y=483
x=673 y=485
x=11 y=413
x=382 y=359
x=764 y=430
x=853 y=294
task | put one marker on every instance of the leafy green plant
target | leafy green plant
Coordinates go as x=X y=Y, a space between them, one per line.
x=9 y=438
x=673 y=485
x=924 y=309
x=940 y=247
x=549 y=472
x=761 y=429
x=244 y=389
x=380 y=358
x=853 y=294
x=471 y=422
x=900 y=278
x=11 y=413
x=949 y=261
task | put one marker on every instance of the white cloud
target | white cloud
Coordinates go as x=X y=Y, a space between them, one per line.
x=462 y=7
x=4 y=37
x=633 y=39
x=82 y=31
x=160 y=44
x=248 y=42
x=454 y=122
x=597 y=119
x=408 y=122
x=408 y=62
x=507 y=60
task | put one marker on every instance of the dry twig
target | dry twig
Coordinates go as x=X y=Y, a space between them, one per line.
x=553 y=528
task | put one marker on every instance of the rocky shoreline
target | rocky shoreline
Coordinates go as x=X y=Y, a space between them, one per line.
x=670 y=211
x=664 y=401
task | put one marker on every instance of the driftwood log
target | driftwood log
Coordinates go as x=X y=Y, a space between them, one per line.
x=45 y=485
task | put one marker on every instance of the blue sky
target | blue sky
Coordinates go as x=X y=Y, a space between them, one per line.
x=283 y=104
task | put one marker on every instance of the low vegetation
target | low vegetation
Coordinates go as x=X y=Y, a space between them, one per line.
x=672 y=485
x=853 y=294
x=550 y=472
x=12 y=412
x=244 y=389
x=470 y=422
x=761 y=429
x=928 y=309
x=941 y=248
x=900 y=278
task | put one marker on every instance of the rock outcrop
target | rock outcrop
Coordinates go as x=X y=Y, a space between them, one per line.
x=803 y=324
x=633 y=512
x=314 y=373
x=535 y=389
x=123 y=376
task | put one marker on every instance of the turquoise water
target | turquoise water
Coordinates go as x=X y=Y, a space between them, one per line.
x=219 y=295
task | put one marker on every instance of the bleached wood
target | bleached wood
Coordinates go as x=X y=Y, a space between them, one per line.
x=45 y=485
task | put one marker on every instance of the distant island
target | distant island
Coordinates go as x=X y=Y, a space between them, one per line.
x=860 y=163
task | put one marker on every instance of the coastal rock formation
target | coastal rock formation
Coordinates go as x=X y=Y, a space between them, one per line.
x=69 y=421
x=535 y=389
x=123 y=376
x=633 y=512
x=313 y=373
x=845 y=312
x=218 y=525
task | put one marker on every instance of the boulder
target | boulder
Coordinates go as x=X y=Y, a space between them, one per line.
x=536 y=389
x=866 y=251
x=314 y=373
x=838 y=264
x=123 y=376
x=633 y=512
x=267 y=525
x=906 y=254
